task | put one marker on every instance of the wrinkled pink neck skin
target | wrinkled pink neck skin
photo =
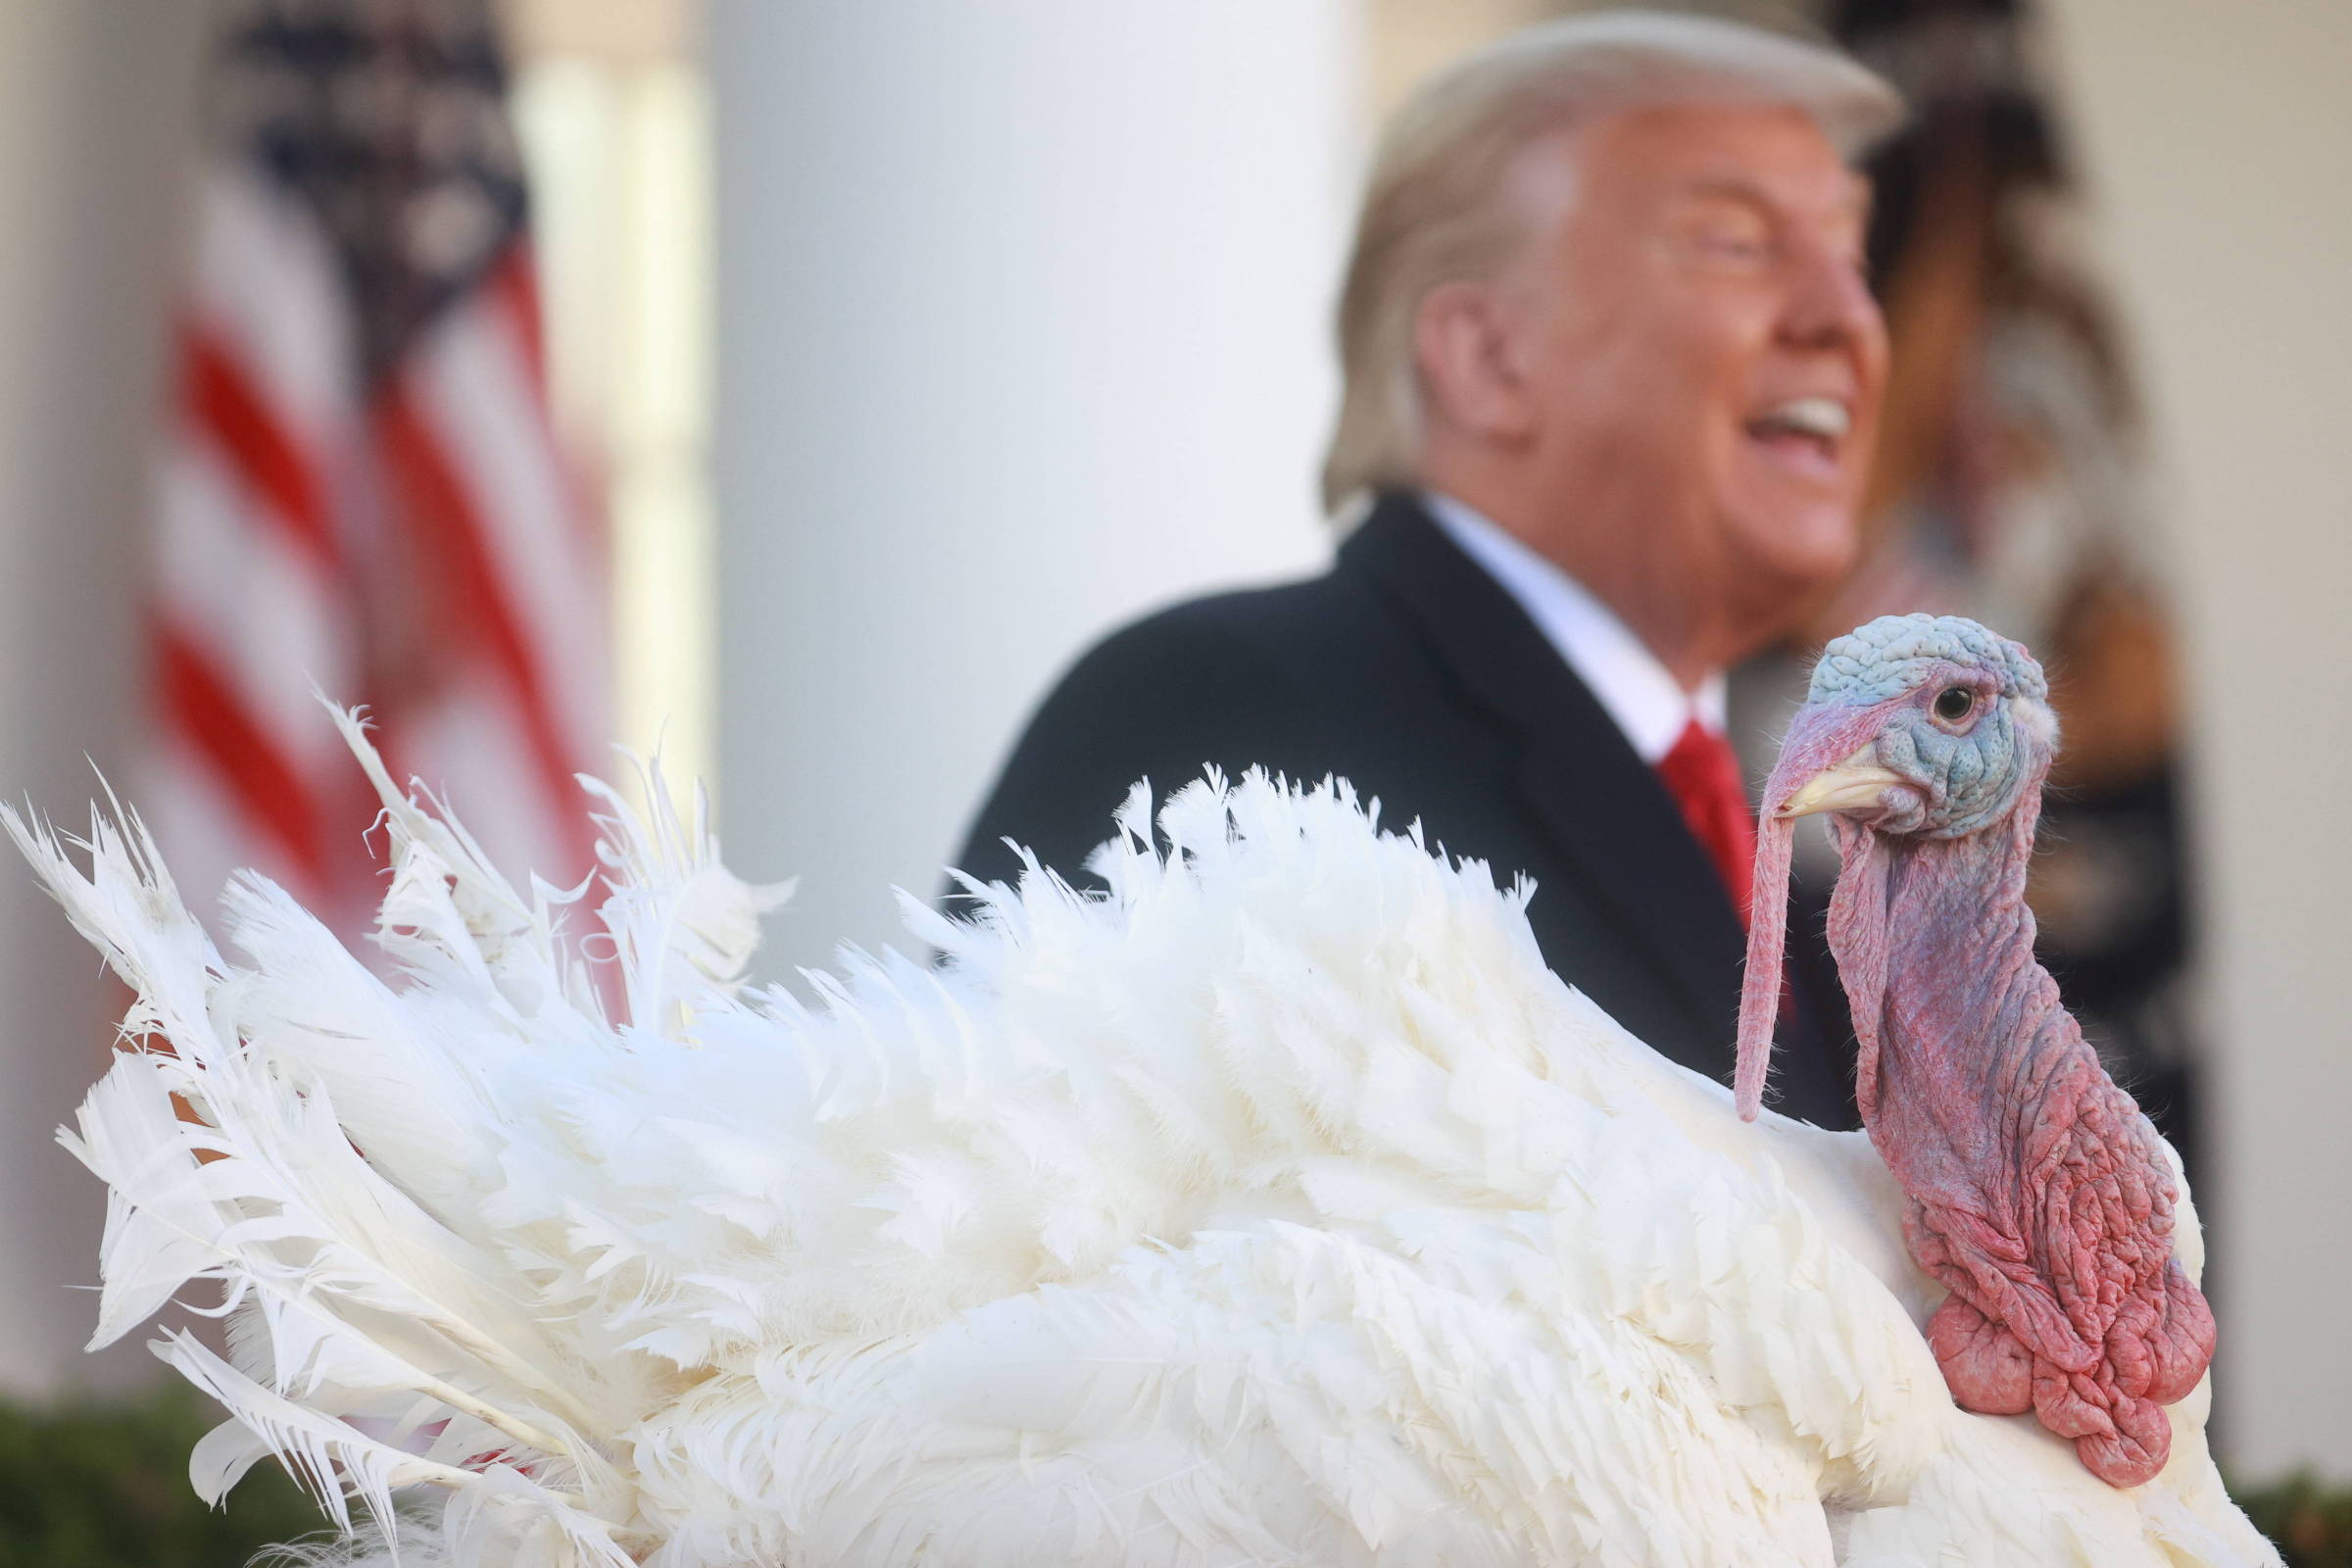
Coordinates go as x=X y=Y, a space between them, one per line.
x=2038 y=1193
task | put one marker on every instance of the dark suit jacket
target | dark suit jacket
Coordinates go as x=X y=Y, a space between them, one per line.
x=1412 y=672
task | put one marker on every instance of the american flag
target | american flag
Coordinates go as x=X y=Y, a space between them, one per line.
x=362 y=488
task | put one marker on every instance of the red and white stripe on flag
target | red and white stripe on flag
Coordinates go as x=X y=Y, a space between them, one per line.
x=507 y=696
x=255 y=595
x=409 y=541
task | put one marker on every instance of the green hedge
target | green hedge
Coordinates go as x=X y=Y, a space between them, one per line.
x=106 y=1486
x=2311 y=1522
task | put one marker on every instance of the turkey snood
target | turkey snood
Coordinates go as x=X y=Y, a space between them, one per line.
x=2038 y=1193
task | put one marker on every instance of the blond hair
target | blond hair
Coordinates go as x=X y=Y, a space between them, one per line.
x=1433 y=207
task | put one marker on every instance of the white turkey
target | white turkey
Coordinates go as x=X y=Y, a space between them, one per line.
x=1277 y=1207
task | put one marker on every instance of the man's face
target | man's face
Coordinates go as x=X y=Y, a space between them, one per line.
x=1700 y=351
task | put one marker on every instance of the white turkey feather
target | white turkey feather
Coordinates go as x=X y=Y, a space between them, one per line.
x=681 y=924
x=333 y=1462
x=1278 y=1207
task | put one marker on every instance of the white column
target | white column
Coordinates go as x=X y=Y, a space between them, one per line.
x=95 y=110
x=1023 y=326
x=2218 y=139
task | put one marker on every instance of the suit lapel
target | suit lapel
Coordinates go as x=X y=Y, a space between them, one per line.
x=1599 y=807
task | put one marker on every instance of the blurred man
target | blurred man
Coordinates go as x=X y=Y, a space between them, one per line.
x=1612 y=376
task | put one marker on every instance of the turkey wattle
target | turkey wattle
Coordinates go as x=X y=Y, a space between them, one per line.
x=2039 y=1195
x=1278 y=1207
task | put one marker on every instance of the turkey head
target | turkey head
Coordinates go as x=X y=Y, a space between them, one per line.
x=2039 y=1195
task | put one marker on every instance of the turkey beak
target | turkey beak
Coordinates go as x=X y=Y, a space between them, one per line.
x=1855 y=783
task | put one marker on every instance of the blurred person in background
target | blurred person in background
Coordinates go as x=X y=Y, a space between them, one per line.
x=2013 y=485
x=1612 y=377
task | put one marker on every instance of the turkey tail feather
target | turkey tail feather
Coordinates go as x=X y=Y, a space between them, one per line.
x=228 y=1160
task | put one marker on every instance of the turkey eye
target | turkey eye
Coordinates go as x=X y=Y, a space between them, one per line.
x=1954 y=704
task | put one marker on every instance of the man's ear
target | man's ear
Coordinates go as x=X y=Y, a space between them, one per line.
x=1470 y=374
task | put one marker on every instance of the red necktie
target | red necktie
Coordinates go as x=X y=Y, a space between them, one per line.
x=1706 y=783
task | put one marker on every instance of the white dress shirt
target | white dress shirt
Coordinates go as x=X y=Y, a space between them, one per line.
x=1636 y=690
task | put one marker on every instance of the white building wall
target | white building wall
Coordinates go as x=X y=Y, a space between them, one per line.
x=94 y=101
x=1023 y=326
x=2218 y=145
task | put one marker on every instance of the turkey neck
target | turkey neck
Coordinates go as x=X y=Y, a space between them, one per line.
x=2040 y=1196
x=1961 y=1032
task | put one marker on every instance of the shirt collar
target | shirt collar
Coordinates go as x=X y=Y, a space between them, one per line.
x=1636 y=690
